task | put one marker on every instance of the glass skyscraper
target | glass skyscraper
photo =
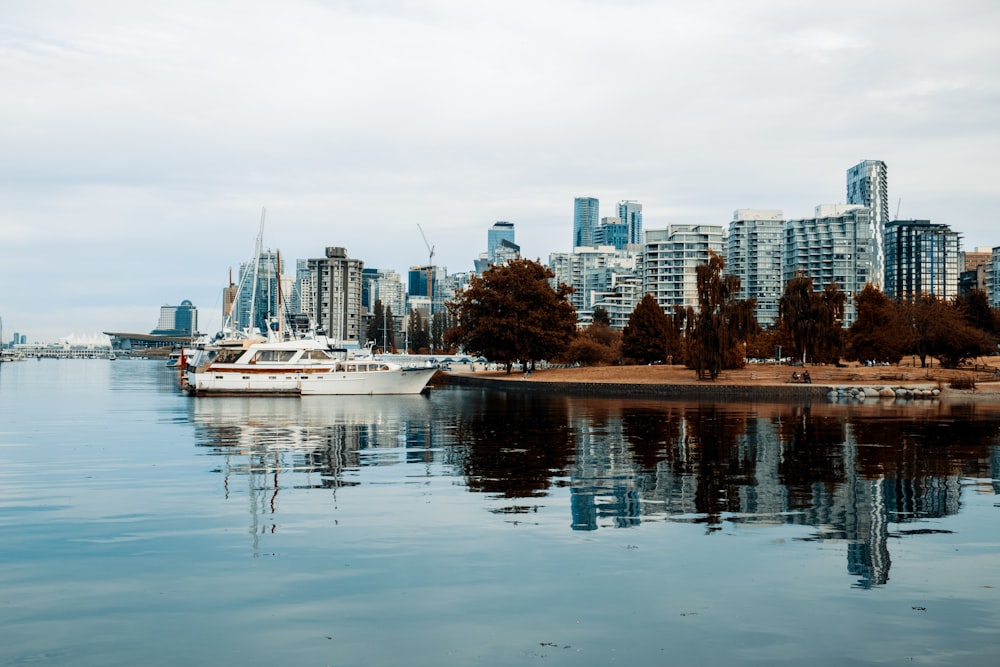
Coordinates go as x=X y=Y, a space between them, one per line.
x=921 y=258
x=630 y=212
x=585 y=220
x=500 y=231
x=868 y=186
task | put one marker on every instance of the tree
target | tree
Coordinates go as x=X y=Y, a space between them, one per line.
x=974 y=307
x=879 y=333
x=439 y=324
x=376 y=324
x=644 y=337
x=419 y=337
x=601 y=317
x=812 y=321
x=723 y=322
x=597 y=344
x=388 y=332
x=512 y=313
x=940 y=331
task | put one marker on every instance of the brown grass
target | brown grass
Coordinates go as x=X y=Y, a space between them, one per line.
x=983 y=376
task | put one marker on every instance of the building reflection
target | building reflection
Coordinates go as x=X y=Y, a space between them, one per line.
x=850 y=473
x=861 y=475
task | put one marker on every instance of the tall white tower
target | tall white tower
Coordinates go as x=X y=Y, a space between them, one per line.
x=868 y=185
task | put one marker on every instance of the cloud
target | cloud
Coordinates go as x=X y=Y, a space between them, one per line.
x=141 y=140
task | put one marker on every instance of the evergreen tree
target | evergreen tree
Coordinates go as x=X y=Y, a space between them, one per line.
x=601 y=317
x=644 y=339
x=388 y=331
x=376 y=324
x=879 y=333
x=419 y=338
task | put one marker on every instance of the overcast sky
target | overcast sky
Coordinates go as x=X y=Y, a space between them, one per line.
x=140 y=140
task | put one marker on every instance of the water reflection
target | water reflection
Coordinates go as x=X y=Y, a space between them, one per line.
x=857 y=474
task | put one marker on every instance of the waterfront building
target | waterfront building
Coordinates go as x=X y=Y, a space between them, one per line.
x=179 y=320
x=585 y=218
x=868 y=185
x=500 y=245
x=753 y=254
x=619 y=300
x=388 y=288
x=630 y=213
x=973 y=259
x=835 y=246
x=975 y=266
x=256 y=294
x=670 y=259
x=304 y=297
x=611 y=232
x=993 y=279
x=337 y=286
x=426 y=281
x=590 y=271
x=921 y=258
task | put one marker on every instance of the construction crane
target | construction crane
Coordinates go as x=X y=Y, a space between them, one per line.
x=430 y=268
x=430 y=248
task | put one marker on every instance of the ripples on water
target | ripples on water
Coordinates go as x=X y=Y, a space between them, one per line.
x=475 y=527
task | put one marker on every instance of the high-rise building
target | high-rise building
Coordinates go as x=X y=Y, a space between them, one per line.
x=921 y=258
x=425 y=288
x=589 y=271
x=973 y=259
x=611 y=232
x=388 y=288
x=993 y=279
x=868 y=185
x=336 y=301
x=618 y=300
x=630 y=212
x=836 y=246
x=753 y=254
x=670 y=260
x=500 y=243
x=179 y=320
x=975 y=266
x=257 y=294
x=585 y=219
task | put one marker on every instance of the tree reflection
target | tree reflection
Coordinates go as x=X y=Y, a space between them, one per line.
x=516 y=447
x=853 y=473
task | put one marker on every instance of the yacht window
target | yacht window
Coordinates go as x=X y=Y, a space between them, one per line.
x=268 y=356
x=316 y=354
x=227 y=356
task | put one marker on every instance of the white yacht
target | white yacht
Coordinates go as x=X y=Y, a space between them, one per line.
x=299 y=367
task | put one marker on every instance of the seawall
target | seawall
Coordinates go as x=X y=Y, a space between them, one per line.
x=698 y=391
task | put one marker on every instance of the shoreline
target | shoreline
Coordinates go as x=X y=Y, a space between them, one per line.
x=753 y=383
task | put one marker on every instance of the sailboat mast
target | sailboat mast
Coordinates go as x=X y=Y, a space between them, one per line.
x=256 y=269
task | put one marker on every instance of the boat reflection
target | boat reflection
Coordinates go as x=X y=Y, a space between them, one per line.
x=856 y=474
x=323 y=434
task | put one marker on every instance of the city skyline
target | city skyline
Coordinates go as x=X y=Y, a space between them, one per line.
x=141 y=141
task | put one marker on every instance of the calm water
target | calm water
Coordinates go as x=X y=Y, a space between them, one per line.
x=139 y=526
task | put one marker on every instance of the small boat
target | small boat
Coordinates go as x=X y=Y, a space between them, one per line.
x=299 y=367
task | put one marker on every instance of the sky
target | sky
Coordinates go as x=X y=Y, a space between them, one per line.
x=141 y=141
